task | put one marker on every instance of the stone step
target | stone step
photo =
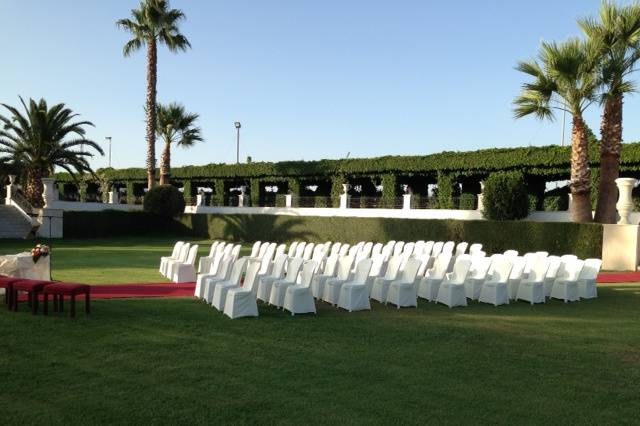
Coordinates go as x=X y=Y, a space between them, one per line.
x=12 y=223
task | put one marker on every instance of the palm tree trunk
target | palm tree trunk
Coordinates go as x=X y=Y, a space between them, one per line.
x=610 y=146
x=580 y=174
x=150 y=110
x=165 y=164
x=34 y=187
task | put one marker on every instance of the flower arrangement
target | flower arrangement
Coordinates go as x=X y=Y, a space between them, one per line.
x=40 y=250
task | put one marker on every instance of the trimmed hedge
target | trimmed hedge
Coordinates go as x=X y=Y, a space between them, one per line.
x=584 y=240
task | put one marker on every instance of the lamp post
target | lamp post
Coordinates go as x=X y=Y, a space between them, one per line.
x=238 y=125
x=108 y=139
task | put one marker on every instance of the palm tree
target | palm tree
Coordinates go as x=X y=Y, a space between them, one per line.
x=177 y=126
x=564 y=79
x=617 y=34
x=41 y=139
x=153 y=22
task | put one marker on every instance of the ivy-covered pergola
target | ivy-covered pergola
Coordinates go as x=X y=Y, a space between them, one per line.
x=382 y=177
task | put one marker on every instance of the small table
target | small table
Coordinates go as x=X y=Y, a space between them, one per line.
x=59 y=290
x=32 y=288
x=21 y=265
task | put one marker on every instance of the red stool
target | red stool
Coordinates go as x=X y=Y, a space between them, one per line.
x=7 y=284
x=59 y=290
x=32 y=288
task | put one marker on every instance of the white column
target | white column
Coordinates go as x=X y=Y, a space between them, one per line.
x=481 y=197
x=47 y=193
x=241 y=202
x=344 y=197
x=406 y=201
x=625 y=202
x=200 y=200
x=12 y=179
x=113 y=197
x=287 y=200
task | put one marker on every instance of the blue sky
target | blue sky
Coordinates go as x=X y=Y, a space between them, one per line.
x=307 y=79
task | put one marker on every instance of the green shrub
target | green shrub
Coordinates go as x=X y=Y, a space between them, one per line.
x=164 y=200
x=581 y=239
x=467 y=201
x=555 y=203
x=505 y=196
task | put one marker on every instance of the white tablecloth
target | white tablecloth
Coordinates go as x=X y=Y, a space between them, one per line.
x=21 y=265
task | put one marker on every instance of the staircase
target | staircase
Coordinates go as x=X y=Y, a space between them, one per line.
x=12 y=223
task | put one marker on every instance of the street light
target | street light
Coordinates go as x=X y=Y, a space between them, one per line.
x=108 y=138
x=238 y=125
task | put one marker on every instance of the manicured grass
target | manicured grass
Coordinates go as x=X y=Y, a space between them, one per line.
x=178 y=361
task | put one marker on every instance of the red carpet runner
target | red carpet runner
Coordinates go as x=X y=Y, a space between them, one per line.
x=142 y=290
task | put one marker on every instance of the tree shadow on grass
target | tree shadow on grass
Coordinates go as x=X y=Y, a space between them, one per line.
x=265 y=228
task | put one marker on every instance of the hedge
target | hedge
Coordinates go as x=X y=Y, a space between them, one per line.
x=584 y=240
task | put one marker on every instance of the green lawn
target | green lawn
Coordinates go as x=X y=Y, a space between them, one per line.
x=178 y=361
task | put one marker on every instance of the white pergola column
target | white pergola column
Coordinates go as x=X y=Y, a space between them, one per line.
x=481 y=197
x=344 y=197
x=47 y=192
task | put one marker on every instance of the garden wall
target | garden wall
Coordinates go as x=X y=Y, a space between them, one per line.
x=584 y=240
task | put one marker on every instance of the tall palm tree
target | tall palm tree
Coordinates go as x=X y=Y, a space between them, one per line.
x=41 y=139
x=153 y=23
x=175 y=126
x=564 y=79
x=617 y=34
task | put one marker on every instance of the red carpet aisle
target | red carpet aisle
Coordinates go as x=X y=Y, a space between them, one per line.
x=142 y=290
x=618 y=277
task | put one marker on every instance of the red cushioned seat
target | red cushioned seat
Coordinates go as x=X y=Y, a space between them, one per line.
x=30 y=285
x=7 y=283
x=67 y=289
x=60 y=290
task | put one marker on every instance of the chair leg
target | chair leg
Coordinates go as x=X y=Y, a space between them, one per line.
x=73 y=306
x=15 y=300
x=55 y=303
x=34 y=302
x=45 y=308
x=87 y=303
x=61 y=302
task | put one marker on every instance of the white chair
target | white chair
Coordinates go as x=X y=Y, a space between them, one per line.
x=531 y=288
x=186 y=271
x=204 y=263
x=264 y=283
x=344 y=250
x=428 y=247
x=279 y=287
x=402 y=292
x=220 y=288
x=344 y=266
x=241 y=301
x=587 y=280
x=174 y=256
x=377 y=250
x=214 y=270
x=235 y=251
x=397 y=248
x=300 y=249
x=448 y=247
x=378 y=268
x=408 y=248
x=387 y=250
x=335 y=248
x=317 y=285
x=298 y=298
x=495 y=288
x=452 y=290
x=263 y=248
x=331 y=291
x=266 y=260
x=476 y=276
x=511 y=253
x=182 y=256
x=354 y=295
x=280 y=250
x=292 y=249
x=517 y=272
x=380 y=286
x=461 y=248
x=555 y=264
x=436 y=249
x=255 y=249
x=475 y=248
x=208 y=282
x=365 y=251
x=418 y=248
x=308 y=251
x=430 y=284
x=566 y=285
